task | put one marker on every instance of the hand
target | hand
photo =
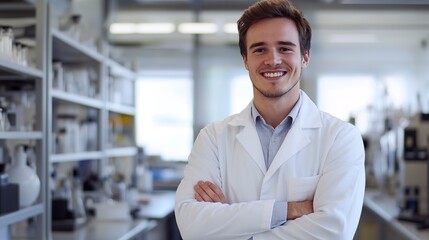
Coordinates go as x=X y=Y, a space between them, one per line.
x=208 y=192
x=298 y=209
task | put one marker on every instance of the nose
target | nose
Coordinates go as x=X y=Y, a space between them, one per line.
x=273 y=58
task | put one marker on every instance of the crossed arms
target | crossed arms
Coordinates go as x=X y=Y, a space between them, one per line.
x=208 y=192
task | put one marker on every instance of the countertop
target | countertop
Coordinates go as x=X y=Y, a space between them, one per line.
x=385 y=207
x=159 y=205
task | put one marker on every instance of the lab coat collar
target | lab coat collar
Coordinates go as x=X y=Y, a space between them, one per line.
x=309 y=117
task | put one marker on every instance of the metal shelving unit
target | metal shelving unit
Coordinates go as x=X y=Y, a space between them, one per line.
x=70 y=52
x=76 y=156
x=10 y=69
x=121 y=152
x=53 y=44
x=69 y=49
x=77 y=99
x=22 y=214
x=122 y=109
x=11 y=72
x=117 y=106
x=37 y=135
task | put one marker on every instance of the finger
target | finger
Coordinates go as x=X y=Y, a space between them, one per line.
x=219 y=194
x=198 y=197
x=202 y=193
x=210 y=192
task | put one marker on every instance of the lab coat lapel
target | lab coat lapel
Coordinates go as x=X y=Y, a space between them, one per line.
x=248 y=137
x=296 y=139
x=294 y=142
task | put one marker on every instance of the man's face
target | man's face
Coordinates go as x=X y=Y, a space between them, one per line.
x=274 y=58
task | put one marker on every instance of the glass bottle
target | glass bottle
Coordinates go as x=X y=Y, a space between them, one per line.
x=74 y=28
x=2 y=120
x=8 y=43
x=25 y=177
x=2 y=42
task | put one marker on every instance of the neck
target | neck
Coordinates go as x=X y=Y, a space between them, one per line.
x=274 y=110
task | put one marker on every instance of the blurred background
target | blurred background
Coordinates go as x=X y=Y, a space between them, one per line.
x=102 y=99
x=368 y=58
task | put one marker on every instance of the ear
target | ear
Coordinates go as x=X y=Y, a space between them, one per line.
x=305 y=59
x=245 y=61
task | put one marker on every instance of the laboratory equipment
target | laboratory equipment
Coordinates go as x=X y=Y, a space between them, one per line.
x=414 y=170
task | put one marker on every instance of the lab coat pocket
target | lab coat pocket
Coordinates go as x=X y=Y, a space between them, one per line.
x=301 y=188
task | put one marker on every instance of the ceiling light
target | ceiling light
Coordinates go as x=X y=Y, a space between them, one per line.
x=230 y=28
x=123 y=28
x=352 y=38
x=142 y=28
x=198 y=28
x=156 y=28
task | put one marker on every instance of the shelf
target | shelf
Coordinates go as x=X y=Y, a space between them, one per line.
x=21 y=214
x=118 y=70
x=16 y=5
x=68 y=49
x=32 y=2
x=70 y=157
x=21 y=135
x=120 y=108
x=16 y=70
x=74 y=98
x=121 y=152
x=18 y=22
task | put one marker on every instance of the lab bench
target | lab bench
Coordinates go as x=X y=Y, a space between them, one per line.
x=105 y=230
x=159 y=209
x=380 y=211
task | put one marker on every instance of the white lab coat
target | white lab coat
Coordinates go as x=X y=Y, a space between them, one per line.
x=321 y=158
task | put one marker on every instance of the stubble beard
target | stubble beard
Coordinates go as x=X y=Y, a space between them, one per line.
x=274 y=95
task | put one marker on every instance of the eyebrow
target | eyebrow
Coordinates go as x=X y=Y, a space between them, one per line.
x=285 y=43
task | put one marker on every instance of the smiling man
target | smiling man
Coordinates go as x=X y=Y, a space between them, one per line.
x=281 y=168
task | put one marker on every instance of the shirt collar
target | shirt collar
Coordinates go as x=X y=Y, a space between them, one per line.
x=293 y=113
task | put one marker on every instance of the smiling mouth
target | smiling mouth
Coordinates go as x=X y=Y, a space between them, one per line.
x=273 y=74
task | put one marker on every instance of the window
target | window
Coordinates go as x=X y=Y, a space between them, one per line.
x=241 y=93
x=346 y=96
x=164 y=116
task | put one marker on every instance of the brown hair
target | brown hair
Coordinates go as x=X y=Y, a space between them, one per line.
x=274 y=9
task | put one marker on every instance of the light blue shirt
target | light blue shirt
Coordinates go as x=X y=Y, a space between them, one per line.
x=271 y=139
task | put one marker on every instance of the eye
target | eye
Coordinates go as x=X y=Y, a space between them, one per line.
x=258 y=50
x=285 y=49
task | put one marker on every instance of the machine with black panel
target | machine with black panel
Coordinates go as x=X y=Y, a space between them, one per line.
x=414 y=187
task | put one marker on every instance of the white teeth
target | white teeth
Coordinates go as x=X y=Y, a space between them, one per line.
x=273 y=74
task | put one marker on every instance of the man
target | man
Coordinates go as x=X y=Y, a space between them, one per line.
x=280 y=169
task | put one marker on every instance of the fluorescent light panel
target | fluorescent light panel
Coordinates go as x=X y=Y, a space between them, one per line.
x=142 y=28
x=162 y=28
x=166 y=28
x=122 y=28
x=198 y=28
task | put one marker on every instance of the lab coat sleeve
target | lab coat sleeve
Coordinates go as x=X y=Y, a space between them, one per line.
x=338 y=198
x=203 y=220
